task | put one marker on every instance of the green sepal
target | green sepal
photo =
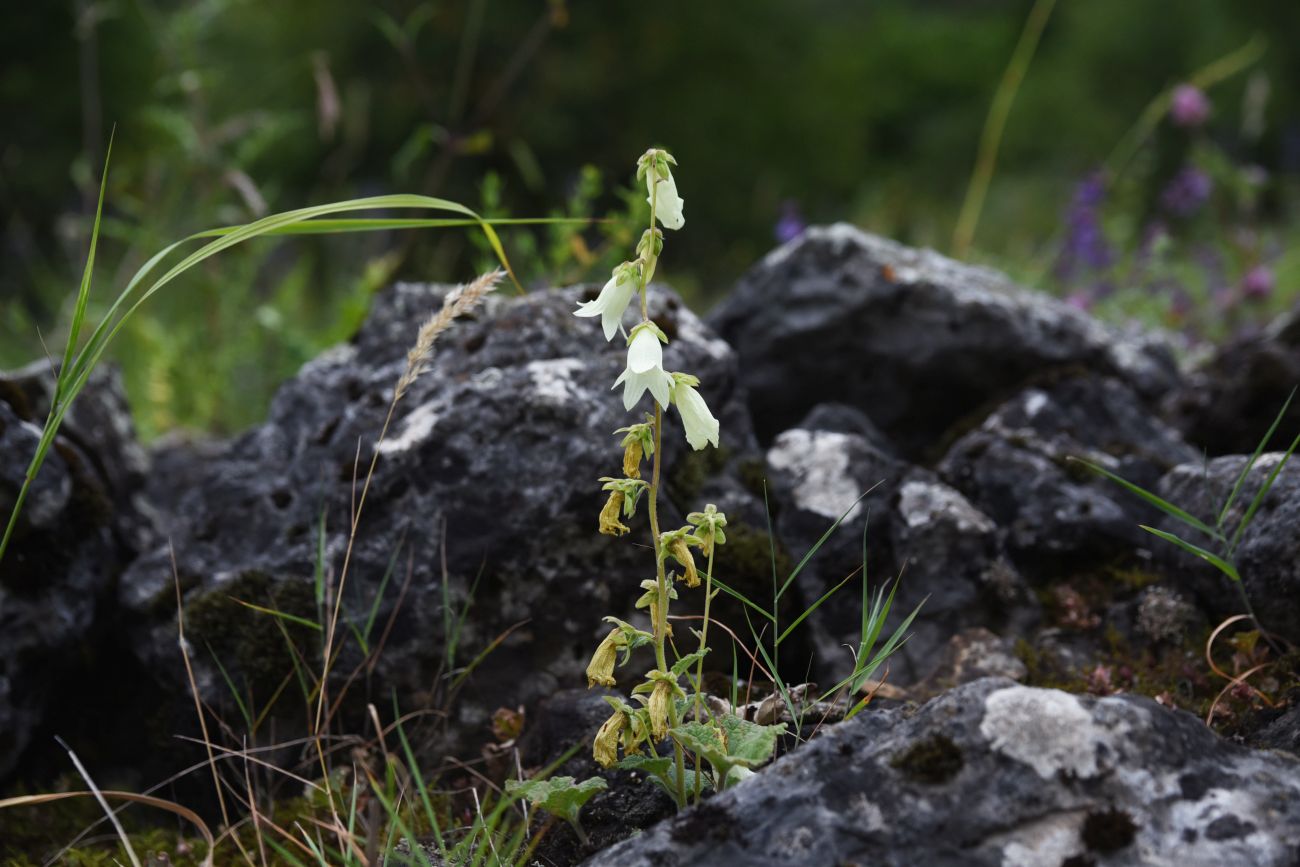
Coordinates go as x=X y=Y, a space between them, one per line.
x=649 y=326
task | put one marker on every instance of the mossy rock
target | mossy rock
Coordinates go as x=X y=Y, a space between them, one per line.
x=249 y=644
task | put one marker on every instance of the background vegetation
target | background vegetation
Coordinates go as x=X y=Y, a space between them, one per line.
x=780 y=113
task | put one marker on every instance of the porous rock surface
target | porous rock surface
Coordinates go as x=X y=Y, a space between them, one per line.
x=79 y=527
x=951 y=554
x=994 y=773
x=1020 y=466
x=496 y=450
x=915 y=340
x=1268 y=553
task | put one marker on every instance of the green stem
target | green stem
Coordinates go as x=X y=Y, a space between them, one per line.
x=661 y=609
x=699 y=666
x=994 y=124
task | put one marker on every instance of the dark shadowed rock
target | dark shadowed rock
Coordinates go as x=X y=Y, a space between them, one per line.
x=993 y=773
x=1058 y=516
x=1227 y=404
x=78 y=528
x=1268 y=556
x=496 y=450
x=1281 y=733
x=915 y=340
x=948 y=551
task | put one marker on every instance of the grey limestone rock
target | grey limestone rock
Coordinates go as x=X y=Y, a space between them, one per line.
x=491 y=462
x=915 y=340
x=993 y=773
x=79 y=527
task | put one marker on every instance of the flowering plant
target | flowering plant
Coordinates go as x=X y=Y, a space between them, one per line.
x=655 y=717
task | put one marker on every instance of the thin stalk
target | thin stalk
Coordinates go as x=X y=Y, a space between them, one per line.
x=661 y=610
x=661 y=628
x=699 y=666
x=994 y=125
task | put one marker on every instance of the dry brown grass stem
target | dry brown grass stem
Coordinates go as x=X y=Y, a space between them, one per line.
x=457 y=302
x=198 y=703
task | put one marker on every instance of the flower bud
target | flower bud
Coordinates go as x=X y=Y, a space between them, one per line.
x=600 y=671
x=604 y=749
x=609 y=522
x=709 y=526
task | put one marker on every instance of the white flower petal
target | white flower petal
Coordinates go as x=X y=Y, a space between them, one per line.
x=597 y=307
x=612 y=316
x=660 y=385
x=644 y=353
x=666 y=203
x=700 y=425
x=610 y=304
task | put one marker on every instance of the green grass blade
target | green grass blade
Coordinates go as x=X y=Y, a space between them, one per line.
x=1163 y=505
x=736 y=594
x=815 y=548
x=230 y=684
x=771 y=552
x=379 y=592
x=283 y=615
x=420 y=785
x=1209 y=556
x=1259 y=497
x=818 y=604
x=284 y=853
x=334 y=227
x=76 y=372
x=777 y=680
x=1250 y=464
x=83 y=291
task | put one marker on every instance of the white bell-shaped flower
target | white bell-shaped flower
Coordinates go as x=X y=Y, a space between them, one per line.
x=645 y=367
x=662 y=196
x=701 y=427
x=613 y=299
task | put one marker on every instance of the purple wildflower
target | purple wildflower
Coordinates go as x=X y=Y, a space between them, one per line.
x=1258 y=282
x=1187 y=192
x=1080 y=300
x=1189 y=107
x=790 y=224
x=1085 y=246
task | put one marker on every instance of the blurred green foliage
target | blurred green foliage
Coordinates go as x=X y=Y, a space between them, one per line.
x=868 y=111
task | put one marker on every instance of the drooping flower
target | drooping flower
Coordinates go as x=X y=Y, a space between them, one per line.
x=645 y=367
x=613 y=299
x=661 y=188
x=638 y=443
x=701 y=427
x=600 y=671
x=604 y=748
x=661 y=699
x=1189 y=107
x=677 y=545
x=610 y=525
